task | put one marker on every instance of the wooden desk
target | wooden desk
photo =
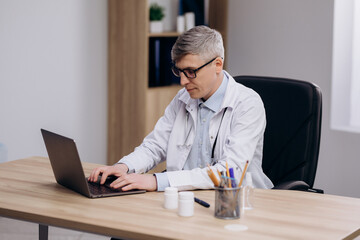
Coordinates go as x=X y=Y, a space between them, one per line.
x=28 y=191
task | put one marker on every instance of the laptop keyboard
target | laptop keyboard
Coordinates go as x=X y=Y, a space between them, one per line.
x=98 y=189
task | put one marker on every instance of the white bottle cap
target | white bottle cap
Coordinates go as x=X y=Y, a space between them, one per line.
x=186 y=196
x=171 y=190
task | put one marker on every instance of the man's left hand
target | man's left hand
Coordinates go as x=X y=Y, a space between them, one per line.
x=135 y=181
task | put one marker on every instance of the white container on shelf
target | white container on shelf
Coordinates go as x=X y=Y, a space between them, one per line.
x=180 y=24
x=189 y=20
x=156 y=26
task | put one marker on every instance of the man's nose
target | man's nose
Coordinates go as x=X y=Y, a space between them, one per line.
x=183 y=79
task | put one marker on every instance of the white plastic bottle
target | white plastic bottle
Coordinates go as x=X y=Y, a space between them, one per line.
x=248 y=192
x=186 y=204
x=171 y=198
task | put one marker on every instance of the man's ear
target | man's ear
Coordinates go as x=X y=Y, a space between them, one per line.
x=219 y=63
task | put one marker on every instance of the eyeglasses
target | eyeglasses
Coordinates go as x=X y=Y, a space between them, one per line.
x=189 y=73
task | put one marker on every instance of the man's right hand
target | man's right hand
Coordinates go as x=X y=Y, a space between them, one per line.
x=117 y=170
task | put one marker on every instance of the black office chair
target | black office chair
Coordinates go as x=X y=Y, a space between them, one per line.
x=292 y=135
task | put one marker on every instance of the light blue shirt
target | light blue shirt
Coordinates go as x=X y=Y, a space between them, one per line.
x=200 y=154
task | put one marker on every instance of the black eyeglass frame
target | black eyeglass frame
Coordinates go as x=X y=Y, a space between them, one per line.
x=174 y=69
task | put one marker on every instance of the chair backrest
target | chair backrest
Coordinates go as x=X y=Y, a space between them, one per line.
x=292 y=136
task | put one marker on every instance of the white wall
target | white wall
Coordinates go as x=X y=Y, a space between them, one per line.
x=53 y=75
x=291 y=38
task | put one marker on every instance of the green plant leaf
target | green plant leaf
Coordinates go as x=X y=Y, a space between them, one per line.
x=156 y=12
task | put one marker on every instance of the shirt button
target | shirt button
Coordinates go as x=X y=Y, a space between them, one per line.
x=212 y=137
x=204 y=120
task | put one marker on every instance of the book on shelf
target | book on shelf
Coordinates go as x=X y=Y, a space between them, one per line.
x=160 y=64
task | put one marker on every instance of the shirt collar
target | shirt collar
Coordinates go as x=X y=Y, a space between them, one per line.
x=214 y=102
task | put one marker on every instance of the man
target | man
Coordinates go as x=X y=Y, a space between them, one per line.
x=211 y=121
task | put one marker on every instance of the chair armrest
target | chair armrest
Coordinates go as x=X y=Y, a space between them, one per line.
x=316 y=190
x=293 y=185
x=297 y=185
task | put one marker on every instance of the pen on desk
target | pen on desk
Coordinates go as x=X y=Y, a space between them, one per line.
x=243 y=173
x=201 y=202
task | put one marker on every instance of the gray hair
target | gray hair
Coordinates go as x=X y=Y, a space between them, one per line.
x=200 y=40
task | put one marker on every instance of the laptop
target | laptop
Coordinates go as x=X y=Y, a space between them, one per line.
x=68 y=171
